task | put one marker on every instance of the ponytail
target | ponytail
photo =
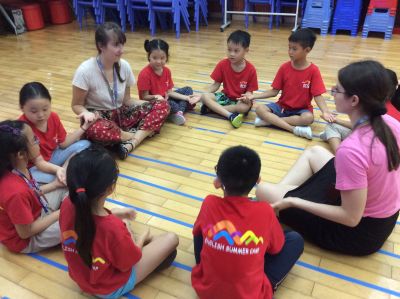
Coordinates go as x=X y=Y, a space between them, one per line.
x=90 y=175
x=369 y=80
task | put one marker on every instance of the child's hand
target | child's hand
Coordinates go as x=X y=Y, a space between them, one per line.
x=57 y=183
x=124 y=213
x=283 y=204
x=246 y=98
x=158 y=97
x=61 y=175
x=193 y=99
x=328 y=116
x=144 y=238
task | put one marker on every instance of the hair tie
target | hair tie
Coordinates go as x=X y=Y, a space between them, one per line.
x=12 y=130
x=80 y=190
x=379 y=111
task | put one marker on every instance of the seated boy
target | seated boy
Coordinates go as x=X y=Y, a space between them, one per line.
x=240 y=248
x=300 y=81
x=238 y=77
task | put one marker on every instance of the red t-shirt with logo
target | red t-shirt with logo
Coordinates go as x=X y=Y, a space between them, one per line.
x=237 y=232
x=149 y=81
x=298 y=86
x=235 y=83
x=113 y=252
x=51 y=139
x=392 y=111
x=18 y=205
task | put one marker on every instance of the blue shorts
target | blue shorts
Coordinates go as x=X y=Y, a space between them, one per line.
x=281 y=112
x=126 y=288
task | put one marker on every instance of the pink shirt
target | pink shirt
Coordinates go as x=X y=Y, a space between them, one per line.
x=358 y=167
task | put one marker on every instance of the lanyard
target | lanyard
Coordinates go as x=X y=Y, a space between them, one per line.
x=361 y=121
x=113 y=92
x=34 y=186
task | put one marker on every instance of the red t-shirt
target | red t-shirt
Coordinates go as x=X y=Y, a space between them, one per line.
x=237 y=232
x=155 y=84
x=18 y=205
x=392 y=111
x=298 y=86
x=49 y=140
x=235 y=83
x=113 y=252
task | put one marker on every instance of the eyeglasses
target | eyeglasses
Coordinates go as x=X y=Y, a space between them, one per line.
x=335 y=91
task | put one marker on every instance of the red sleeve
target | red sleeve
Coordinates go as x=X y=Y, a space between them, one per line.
x=143 y=81
x=125 y=253
x=62 y=134
x=253 y=80
x=217 y=74
x=317 y=84
x=278 y=81
x=170 y=82
x=277 y=238
x=198 y=225
x=19 y=208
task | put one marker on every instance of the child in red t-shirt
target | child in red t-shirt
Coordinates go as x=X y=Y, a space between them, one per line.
x=337 y=131
x=55 y=146
x=28 y=212
x=300 y=82
x=239 y=79
x=240 y=249
x=155 y=82
x=104 y=258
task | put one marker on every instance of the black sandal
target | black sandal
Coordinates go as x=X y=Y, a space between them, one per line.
x=124 y=148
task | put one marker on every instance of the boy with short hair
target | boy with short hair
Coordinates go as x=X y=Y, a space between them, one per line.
x=238 y=77
x=300 y=81
x=240 y=249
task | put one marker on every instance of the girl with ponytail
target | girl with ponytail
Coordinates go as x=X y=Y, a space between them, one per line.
x=104 y=258
x=348 y=203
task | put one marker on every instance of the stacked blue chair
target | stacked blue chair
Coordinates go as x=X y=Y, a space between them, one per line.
x=249 y=4
x=81 y=7
x=318 y=15
x=280 y=4
x=200 y=10
x=135 y=9
x=346 y=16
x=380 y=17
x=178 y=10
x=119 y=5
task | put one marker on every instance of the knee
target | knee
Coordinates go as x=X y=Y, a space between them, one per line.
x=308 y=118
x=172 y=239
x=205 y=98
x=314 y=151
x=295 y=241
x=261 y=109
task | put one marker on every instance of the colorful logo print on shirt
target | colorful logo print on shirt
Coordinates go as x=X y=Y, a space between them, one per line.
x=69 y=236
x=306 y=84
x=226 y=229
x=243 y=84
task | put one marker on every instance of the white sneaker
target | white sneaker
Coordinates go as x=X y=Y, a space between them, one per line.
x=177 y=118
x=303 y=131
x=258 y=122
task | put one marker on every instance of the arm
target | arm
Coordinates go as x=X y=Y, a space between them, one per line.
x=267 y=94
x=127 y=101
x=349 y=213
x=74 y=136
x=213 y=87
x=325 y=113
x=26 y=231
x=48 y=167
x=146 y=96
x=51 y=186
x=78 y=104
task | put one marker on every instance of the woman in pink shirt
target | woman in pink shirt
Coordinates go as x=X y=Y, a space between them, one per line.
x=348 y=203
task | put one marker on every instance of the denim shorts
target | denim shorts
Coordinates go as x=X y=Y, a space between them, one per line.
x=126 y=288
x=281 y=112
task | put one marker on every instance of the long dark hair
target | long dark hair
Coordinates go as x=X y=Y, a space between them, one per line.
x=12 y=141
x=156 y=44
x=394 y=95
x=106 y=32
x=370 y=81
x=33 y=90
x=90 y=174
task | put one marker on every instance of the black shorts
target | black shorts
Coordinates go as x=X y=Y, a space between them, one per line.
x=366 y=238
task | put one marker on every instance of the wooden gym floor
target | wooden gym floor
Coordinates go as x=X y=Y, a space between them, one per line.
x=166 y=178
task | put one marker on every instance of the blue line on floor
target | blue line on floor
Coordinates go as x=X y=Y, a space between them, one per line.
x=284 y=145
x=388 y=253
x=348 y=278
x=160 y=187
x=208 y=130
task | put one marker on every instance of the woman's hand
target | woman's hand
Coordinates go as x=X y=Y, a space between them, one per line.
x=87 y=117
